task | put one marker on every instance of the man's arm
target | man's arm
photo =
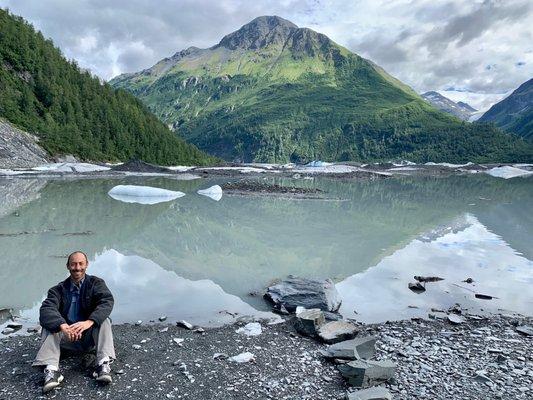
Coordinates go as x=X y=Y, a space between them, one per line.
x=103 y=303
x=50 y=317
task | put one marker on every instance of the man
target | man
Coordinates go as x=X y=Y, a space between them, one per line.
x=75 y=316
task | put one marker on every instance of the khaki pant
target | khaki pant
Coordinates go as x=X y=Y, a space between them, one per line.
x=52 y=343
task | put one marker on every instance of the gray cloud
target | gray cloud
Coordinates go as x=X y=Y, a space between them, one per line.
x=428 y=44
x=462 y=29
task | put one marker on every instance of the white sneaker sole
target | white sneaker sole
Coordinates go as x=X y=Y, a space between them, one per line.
x=52 y=385
x=104 y=379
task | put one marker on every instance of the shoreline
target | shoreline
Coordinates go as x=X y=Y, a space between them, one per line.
x=480 y=358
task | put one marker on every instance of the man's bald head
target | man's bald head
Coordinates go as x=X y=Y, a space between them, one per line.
x=77 y=263
x=77 y=252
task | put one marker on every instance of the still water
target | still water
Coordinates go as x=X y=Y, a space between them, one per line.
x=198 y=259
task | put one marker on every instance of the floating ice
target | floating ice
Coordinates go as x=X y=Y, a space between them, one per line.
x=508 y=172
x=449 y=165
x=251 y=329
x=180 y=168
x=214 y=192
x=318 y=164
x=239 y=169
x=70 y=167
x=143 y=194
x=10 y=172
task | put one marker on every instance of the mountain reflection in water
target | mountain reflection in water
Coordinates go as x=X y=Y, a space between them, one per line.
x=388 y=228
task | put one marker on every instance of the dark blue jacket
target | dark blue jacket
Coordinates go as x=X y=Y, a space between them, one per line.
x=96 y=303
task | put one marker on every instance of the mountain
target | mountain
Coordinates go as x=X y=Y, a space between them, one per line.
x=73 y=112
x=515 y=112
x=274 y=92
x=460 y=109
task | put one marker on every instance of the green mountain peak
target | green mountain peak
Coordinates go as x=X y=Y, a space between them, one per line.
x=272 y=91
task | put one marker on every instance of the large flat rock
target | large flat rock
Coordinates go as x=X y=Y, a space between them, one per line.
x=363 y=373
x=355 y=349
x=375 y=393
x=337 y=331
x=309 y=293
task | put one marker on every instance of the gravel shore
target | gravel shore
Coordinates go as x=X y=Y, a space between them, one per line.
x=477 y=359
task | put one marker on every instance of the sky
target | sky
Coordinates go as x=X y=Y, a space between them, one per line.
x=476 y=51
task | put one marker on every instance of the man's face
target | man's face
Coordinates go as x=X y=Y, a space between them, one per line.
x=77 y=266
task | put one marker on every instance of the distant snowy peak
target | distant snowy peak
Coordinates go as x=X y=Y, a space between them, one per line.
x=461 y=110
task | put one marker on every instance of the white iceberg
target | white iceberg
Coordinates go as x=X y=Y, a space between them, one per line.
x=250 y=329
x=318 y=164
x=143 y=194
x=70 y=167
x=180 y=168
x=508 y=172
x=449 y=165
x=213 y=192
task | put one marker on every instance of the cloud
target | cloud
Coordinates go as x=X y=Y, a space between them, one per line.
x=428 y=44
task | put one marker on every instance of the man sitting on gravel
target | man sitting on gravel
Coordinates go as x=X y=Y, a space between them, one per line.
x=75 y=316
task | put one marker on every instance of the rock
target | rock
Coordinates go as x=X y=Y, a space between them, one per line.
x=251 y=329
x=136 y=346
x=355 y=349
x=138 y=323
x=34 y=329
x=525 y=330
x=484 y=296
x=375 y=393
x=8 y=331
x=455 y=319
x=199 y=330
x=140 y=166
x=185 y=324
x=14 y=325
x=308 y=322
x=337 y=331
x=163 y=330
x=426 y=279
x=163 y=318
x=308 y=293
x=468 y=280
x=416 y=287
x=332 y=316
x=364 y=373
x=178 y=341
x=481 y=376
x=220 y=356
x=242 y=358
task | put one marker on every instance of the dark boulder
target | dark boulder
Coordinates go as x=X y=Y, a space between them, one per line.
x=309 y=293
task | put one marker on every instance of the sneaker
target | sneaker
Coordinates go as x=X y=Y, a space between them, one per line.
x=52 y=379
x=103 y=373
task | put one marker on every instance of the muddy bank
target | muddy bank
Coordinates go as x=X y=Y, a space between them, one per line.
x=436 y=359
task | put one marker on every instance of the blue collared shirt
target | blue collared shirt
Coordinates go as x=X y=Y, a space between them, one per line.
x=73 y=315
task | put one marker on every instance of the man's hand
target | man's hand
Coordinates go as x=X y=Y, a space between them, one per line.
x=78 y=328
x=67 y=331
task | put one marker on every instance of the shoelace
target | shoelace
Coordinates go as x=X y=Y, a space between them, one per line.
x=49 y=374
x=105 y=368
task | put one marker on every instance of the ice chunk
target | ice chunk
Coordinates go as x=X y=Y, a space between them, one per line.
x=143 y=194
x=318 y=164
x=251 y=329
x=180 y=168
x=70 y=167
x=508 y=172
x=214 y=192
x=449 y=165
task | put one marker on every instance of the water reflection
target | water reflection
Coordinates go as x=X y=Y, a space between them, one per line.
x=145 y=291
x=381 y=292
x=243 y=243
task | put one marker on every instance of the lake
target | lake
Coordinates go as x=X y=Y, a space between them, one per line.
x=209 y=261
